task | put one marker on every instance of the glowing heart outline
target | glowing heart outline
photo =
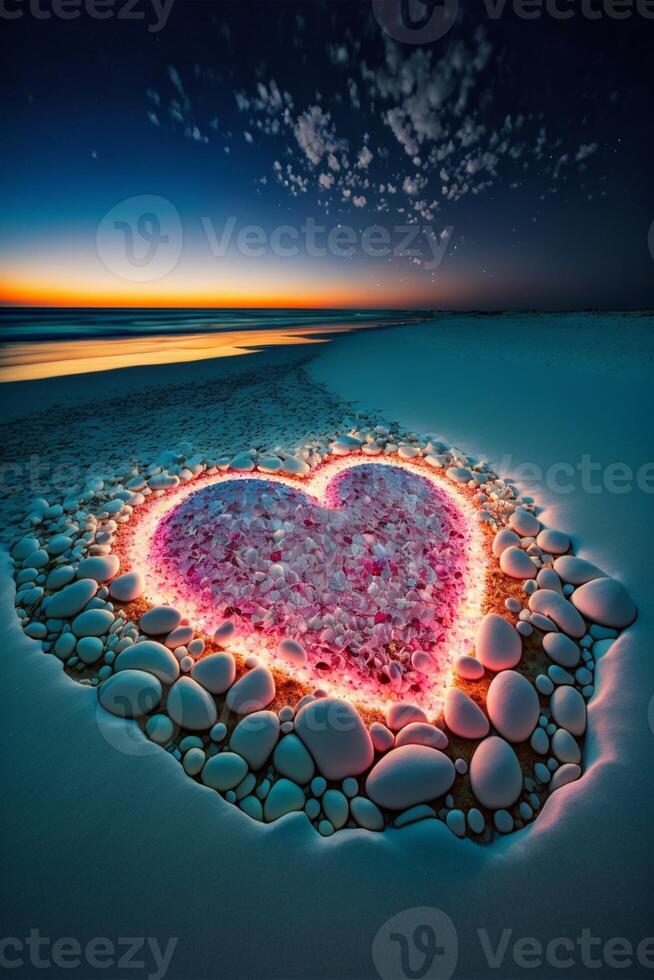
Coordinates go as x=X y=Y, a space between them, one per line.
x=315 y=486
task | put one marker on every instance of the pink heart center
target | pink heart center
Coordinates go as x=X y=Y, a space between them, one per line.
x=375 y=575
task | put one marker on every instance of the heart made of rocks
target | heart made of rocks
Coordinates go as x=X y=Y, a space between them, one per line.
x=365 y=580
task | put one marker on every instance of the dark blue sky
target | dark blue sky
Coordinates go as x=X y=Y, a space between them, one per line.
x=511 y=158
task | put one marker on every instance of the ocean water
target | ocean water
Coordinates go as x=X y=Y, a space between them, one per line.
x=37 y=344
x=32 y=324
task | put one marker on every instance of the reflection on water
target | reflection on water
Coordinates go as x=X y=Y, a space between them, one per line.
x=47 y=344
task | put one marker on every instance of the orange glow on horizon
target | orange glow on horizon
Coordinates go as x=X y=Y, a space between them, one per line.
x=257 y=294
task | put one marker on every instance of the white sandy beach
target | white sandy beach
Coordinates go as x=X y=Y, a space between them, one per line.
x=114 y=821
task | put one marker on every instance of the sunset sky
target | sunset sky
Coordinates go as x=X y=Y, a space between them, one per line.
x=509 y=157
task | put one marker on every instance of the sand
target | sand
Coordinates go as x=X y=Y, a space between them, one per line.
x=124 y=844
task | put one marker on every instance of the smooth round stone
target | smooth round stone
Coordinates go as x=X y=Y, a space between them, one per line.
x=152 y=657
x=401 y=714
x=336 y=808
x=569 y=709
x=38 y=559
x=553 y=542
x=160 y=729
x=64 y=645
x=506 y=538
x=325 y=828
x=559 y=610
x=255 y=737
x=565 y=774
x=469 y=668
x=190 y=706
x=252 y=806
x=414 y=815
x=513 y=706
x=524 y=523
x=29 y=597
x=542 y=773
x=548 y=579
x=71 y=599
x=350 y=787
x=37 y=631
x=130 y=694
x=312 y=809
x=497 y=644
x=456 y=822
x=503 y=821
x=366 y=813
x=99 y=567
x=459 y=474
x=526 y=812
x=576 y=571
x=284 y=797
x=59 y=577
x=160 y=620
x=292 y=759
x=463 y=716
x=524 y=629
x=336 y=737
x=26 y=546
x=216 y=672
x=218 y=732
x=243 y=463
x=292 y=653
x=93 y=622
x=605 y=601
x=422 y=733
x=539 y=741
x=559 y=675
x=294 y=466
x=410 y=775
x=513 y=605
x=194 y=761
x=224 y=771
x=58 y=544
x=127 y=587
x=495 y=774
x=561 y=649
x=476 y=821
x=224 y=632
x=516 y=564
x=382 y=738
x=90 y=649
x=564 y=747
x=543 y=623
x=179 y=637
x=318 y=786
x=190 y=742
x=252 y=692
x=196 y=647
